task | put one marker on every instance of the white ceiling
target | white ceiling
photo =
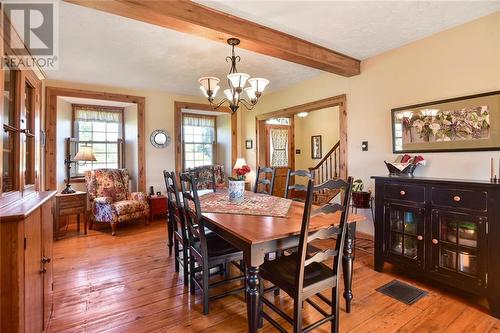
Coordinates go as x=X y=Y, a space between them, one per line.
x=100 y=48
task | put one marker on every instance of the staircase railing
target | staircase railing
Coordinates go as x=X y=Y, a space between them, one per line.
x=327 y=168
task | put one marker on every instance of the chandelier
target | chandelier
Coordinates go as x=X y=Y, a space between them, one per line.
x=236 y=82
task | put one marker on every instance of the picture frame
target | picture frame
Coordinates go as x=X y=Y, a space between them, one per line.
x=316 y=152
x=467 y=123
x=249 y=144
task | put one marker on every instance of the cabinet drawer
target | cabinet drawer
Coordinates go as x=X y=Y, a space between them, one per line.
x=460 y=198
x=413 y=193
x=71 y=203
x=71 y=211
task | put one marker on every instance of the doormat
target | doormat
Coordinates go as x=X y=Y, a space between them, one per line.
x=402 y=292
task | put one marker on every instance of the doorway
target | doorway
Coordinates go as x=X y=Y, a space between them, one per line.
x=279 y=143
x=335 y=107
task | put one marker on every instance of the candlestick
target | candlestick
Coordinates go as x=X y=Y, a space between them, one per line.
x=491 y=169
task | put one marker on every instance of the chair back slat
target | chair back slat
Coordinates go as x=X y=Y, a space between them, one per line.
x=327 y=232
x=321 y=256
x=175 y=209
x=328 y=208
x=323 y=233
x=192 y=208
x=264 y=184
x=296 y=187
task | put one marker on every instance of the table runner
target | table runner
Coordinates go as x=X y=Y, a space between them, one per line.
x=252 y=204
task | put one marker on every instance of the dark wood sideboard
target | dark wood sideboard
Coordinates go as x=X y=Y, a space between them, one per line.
x=445 y=230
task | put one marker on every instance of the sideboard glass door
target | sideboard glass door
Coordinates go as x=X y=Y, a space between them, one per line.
x=456 y=243
x=406 y=230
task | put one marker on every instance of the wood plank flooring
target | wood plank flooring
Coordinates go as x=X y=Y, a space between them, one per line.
x=127 y=283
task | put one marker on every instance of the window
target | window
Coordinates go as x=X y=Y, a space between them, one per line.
x=102 y=129
x=198 y=140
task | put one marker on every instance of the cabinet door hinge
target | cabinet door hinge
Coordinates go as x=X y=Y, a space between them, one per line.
x=487 y=228
x=486 y=279
x=52 y=286
x=25 y=243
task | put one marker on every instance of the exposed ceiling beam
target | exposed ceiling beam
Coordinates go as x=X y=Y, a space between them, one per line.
x=189 y=17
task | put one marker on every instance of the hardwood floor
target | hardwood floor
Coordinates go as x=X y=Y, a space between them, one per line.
x=127 y=283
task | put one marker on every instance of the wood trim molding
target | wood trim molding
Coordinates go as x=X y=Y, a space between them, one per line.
x=339 y=101
x=199 y=20
x=51 y=94
x=178 y=106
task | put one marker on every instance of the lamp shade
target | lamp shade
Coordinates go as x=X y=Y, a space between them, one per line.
x=209 y=84
x=251 y=93
x=258 y=84
x=85 y=154
x=238 y=80
x=240 y=162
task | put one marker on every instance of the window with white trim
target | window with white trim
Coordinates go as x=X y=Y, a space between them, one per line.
x=199 y=139
x=102 y=129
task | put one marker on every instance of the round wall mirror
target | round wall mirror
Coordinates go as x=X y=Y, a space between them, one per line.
x=159 y=138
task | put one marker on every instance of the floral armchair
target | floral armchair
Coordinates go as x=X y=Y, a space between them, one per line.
x=110 y=199
x=208 y=175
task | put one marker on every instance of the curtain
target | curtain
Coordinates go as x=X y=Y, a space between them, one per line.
x=86 y=114
x=198 y=120
x=279 y=147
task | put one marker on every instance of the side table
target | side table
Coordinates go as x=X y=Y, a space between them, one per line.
x=70 y=204
x=157 y=205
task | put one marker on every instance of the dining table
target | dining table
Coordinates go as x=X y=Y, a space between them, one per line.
x=266 y=224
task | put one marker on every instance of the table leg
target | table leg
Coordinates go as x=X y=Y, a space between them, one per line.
x=78 y=222
x=85 y=218
x=253 y=295
x=347 y=264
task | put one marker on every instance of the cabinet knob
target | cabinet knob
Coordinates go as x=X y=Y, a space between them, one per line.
x=457 y=198
x=43 y=271
x=419 y=237
x=435 y=241
x=402 y=192
x=45 y=260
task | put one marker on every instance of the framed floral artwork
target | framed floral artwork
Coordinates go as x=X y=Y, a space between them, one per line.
x=469 y=123
x=316 y=153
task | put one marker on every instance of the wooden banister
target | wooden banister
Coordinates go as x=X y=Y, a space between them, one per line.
x=327 y=168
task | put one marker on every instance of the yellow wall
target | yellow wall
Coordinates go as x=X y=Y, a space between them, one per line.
x=159 y=115
x=460 y=61
x=324 y=122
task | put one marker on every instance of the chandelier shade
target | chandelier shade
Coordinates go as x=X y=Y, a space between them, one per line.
x=209 y=85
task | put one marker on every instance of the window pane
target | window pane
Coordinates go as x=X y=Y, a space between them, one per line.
x=99 y=136
x=85 y=136
x=98 y=126
x=101 y=157
x=112 y=127
x=198 y=130
x=113 y=158
x=112 y=147
x=112 y=136
x=84 y=126
x=99 y=147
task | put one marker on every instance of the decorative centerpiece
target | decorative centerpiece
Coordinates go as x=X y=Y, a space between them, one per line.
x=405 y=165
x=236 y=189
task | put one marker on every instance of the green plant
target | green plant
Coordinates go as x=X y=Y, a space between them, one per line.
x=357 y=185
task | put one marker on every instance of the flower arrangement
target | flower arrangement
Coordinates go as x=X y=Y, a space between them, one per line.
x=240 y=173
x=405 y=164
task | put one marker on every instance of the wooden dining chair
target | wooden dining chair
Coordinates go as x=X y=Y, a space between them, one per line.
x=265 y=184
x=296 y=187
x=304 y=276
x=178 y=224
x=207 y=252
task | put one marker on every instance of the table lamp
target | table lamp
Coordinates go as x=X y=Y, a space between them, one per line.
x=240 y=162
x=84 y=154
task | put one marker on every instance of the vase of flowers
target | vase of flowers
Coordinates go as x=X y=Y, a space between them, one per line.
x=236 y=189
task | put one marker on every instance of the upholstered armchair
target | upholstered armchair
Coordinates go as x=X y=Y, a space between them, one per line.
x=209 y=176
x=111 y=200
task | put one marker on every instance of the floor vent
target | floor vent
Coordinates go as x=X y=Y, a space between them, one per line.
x=402 y=292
